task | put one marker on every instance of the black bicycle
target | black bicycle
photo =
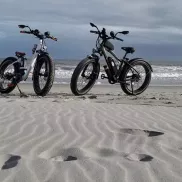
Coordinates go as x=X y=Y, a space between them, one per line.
x=125 y=72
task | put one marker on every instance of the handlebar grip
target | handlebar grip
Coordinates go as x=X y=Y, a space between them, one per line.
x=54 y=38
x=25 y=32
x=92 y=31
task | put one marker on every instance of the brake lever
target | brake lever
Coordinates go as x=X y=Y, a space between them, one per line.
x=22 y=26
x=92 y=25
x=119 y=39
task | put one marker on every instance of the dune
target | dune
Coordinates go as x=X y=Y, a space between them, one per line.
x=104 y=136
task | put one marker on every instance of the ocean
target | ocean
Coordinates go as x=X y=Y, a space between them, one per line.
x=164 y=73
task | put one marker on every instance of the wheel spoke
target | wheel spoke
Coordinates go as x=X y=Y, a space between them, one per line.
x=85 y=76
x=7 y=75
x=136 y=79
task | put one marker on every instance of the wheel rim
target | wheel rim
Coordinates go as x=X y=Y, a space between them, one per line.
x=85 y=76
x=43 y=74
x=6 y=76
x=135 y=78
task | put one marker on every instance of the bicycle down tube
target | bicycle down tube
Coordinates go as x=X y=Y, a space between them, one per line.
x=33 y=60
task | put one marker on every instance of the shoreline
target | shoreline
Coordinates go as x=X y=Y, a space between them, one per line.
x=169 y=96
x=62 y=87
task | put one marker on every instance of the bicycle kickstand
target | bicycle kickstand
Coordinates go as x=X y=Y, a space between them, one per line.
x=21 y=93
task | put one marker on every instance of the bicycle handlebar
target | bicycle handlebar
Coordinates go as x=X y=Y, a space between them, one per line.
x=25 y=32
x=53 y=38
x=37 y=33
x=92 y=31
x=102 y=34
x=118 y=39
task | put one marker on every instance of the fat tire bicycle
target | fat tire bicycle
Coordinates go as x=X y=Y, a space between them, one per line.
x=115 y=73
x=18 y=72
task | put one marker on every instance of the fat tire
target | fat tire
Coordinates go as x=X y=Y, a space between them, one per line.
x=146 y=82
x=50 y=79
x=3 y=66
x=76 y=73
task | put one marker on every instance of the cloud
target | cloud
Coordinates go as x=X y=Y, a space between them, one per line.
x=150 y=23
x=2 y=35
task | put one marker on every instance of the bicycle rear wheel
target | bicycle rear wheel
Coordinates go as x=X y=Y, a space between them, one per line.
x=132 y=82
x=7 y=74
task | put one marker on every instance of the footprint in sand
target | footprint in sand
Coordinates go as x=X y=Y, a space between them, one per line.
x=139 y=157
x=55 y=101
x=169 y=102
x=140 y=132
x=63 y=154
x=8 y=161
x=72 y=154
x=82 y=97
x=70 y=158
x=92 y=97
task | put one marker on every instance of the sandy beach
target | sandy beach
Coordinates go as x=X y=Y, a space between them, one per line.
x=104 y=136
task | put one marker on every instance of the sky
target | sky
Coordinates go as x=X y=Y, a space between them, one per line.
x=155 y=26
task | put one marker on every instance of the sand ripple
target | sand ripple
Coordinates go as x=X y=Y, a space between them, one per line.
x=46 y=141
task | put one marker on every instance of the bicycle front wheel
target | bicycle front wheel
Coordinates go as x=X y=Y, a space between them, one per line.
x=84 y=76
x=43 y=75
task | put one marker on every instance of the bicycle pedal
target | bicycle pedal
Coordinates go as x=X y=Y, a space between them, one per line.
x=103 y=76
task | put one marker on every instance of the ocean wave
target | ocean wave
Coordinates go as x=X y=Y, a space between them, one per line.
x=160 y=74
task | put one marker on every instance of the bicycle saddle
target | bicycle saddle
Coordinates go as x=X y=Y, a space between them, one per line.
x=128 y=49
x=20 y=54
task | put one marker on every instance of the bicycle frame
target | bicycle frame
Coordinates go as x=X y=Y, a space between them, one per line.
x=104 y=50
x=117 y=70
x=112 y=53
x=22 y=68
x=40 y=47
x=101 y=50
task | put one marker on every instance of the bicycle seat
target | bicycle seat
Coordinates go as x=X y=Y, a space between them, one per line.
x=128 y=49
x=20 y=54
